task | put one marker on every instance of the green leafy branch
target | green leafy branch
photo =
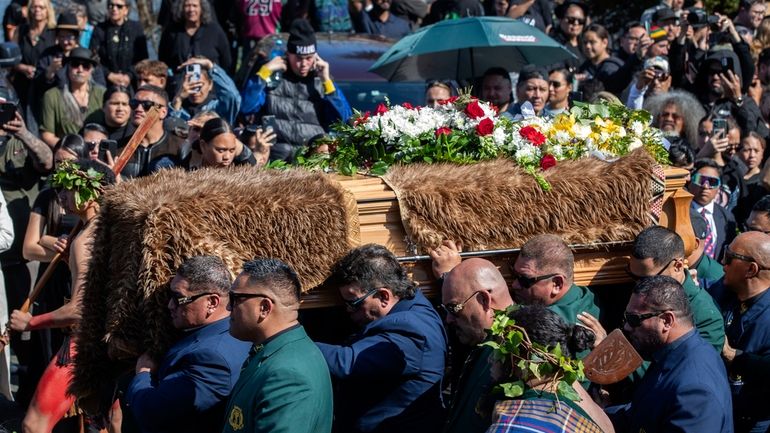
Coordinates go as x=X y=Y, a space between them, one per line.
x=533 y=362
x=87 y=185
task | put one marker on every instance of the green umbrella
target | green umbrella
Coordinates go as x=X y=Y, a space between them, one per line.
x=465 y=48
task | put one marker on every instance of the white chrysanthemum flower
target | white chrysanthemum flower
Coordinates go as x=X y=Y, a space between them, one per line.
x=499 y=136
x=637 y=128
x=581 y=131
x=635 y=144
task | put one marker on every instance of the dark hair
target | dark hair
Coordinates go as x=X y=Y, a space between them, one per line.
x=155 y=89
x=94 y=127
x=663 y=293
x=496 y=71
x=549 y=252
x=601 y=32
x=529 y=72
x=277 y=276
x=371 y=266
x=115 y=89
x=763 y=205
x=213 y=128
x=73 y=143
x=631 y=25
x=206 y=273
x=448 y=84
x=545 y=327
x=681 y=155
x=707 y=162
x=659 y=244
x=568 y=76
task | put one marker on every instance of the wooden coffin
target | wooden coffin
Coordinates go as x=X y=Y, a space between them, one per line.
x=380 y=222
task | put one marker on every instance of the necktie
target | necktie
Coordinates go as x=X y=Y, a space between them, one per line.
x=709 y=241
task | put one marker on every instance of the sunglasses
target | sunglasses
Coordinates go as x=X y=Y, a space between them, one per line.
x=115 y=6
x=704 y=181
x=80 y=64
x=146 y=105
x=455 y=309
x=635 y=320
x=556 y=84
x=355 y=304
x=181 y=301
x=235 y=297
x=730 y=256
x=639 y=277
x=575 y=20
x=527 y=282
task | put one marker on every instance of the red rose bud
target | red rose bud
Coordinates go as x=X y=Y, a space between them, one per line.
x=381 y=109
x=362 y=118
x=485 y=127
x=473 y=110
x=547 y=161
x=407 y=105
x=451 y=100
x=533 y=135
x=443 y=131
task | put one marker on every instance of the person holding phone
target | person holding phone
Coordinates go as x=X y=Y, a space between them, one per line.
x=305 y=92
x=205 y=87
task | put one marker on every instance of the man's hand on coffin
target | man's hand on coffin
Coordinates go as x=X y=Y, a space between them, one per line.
x=20 y=321
x=146 y=363
x=592 y=323
x=445 y=257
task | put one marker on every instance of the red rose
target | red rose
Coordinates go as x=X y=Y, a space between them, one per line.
x=407 y=105
x=381 y=109
x=533 y=135
x=473 y=110
x=451 y=100
x=443 y=131
x=362 y=118
x=485 y=127
x=547 y=161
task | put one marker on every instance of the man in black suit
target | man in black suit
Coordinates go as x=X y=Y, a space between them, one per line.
x=704 y=186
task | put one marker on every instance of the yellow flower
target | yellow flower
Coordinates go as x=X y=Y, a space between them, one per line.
x=607 y=126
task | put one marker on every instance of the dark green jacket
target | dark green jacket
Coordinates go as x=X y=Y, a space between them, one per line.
x=284 y=387
x=578 y=299
x=475 y=381
x=705 y=314
x=709 y=271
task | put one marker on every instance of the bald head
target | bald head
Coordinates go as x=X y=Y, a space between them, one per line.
x=753 y=244
x=479 y=274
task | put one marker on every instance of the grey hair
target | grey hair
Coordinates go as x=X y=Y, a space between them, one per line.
x=178 y=11
x=688 y=105
x=206 y=273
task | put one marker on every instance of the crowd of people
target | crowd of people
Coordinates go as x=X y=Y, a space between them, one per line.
x=77 y=81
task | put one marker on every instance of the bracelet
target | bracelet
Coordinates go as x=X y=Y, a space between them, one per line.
x=41 y=321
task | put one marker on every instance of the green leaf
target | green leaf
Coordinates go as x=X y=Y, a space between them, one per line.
x=513 y=389
x=567 y=391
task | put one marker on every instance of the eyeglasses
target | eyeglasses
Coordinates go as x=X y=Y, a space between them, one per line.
x=456 y=308
x=675 y=116
x=707 y=182
x=146 y=105
x=355 y=304
x=556 y=84
x=527 y=282
x=235 y=297
x=575 y=20
x=635 y=320
x=661 y=76
x=80 y=64
x=639 y=277
x=115 y=6
x=181 y=301
x=730 y=256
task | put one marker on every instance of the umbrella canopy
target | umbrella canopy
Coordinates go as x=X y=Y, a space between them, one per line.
x=467 y=47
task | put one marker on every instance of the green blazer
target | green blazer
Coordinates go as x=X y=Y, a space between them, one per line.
x=284 y=387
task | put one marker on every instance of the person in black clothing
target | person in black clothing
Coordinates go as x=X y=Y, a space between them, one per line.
x=194 y=32
x=572 y=16
x=380 y=21
x=34 y=37
x=120 y=43
x=115 y=115
x=614 y=74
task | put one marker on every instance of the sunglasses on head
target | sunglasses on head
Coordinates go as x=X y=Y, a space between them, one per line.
x=704 y=181
x=146 y=105
x=575 y=20
x=635 y=320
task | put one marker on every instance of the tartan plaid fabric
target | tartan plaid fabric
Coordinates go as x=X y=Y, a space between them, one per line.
x=541 y=415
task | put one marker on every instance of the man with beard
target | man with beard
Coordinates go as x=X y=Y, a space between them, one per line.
x=685 y=388
x=304 y=102
x=380 y=21
x=543 y=274
x=470 y=295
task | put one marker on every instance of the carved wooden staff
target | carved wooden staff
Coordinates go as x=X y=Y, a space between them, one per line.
x=152 y=116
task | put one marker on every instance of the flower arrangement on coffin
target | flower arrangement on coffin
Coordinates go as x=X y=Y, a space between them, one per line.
x=465 y=130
